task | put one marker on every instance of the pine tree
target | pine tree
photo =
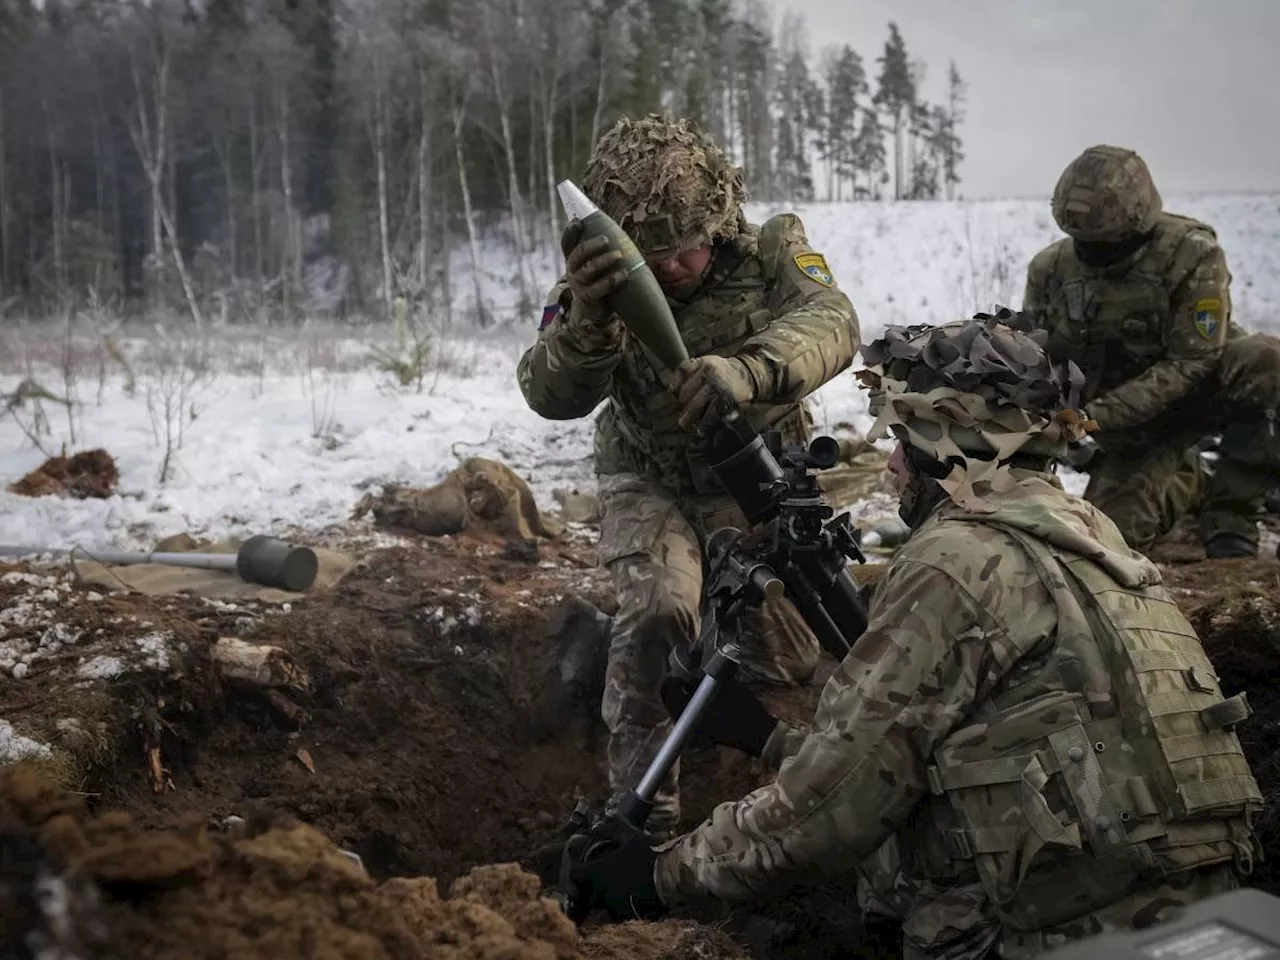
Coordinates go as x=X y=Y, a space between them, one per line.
x=755 y=65
x=847 y=83
x=711 y=63
x=951 y=144
x=895 y=96
x=868 y=148
x=795 y=103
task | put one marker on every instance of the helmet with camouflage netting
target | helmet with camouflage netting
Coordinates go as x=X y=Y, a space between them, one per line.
x=971 y=395
x=1106 y=195
x=666 y=183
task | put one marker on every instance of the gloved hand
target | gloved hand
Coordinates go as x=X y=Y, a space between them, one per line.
x=736 y=718
x=592 y=271
x=1080 y=453
x=621 y=882
x=710 y=387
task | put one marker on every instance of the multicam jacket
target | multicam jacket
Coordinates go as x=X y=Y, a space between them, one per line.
x=768 y=299
x=1145 y=331
x=1031 y=716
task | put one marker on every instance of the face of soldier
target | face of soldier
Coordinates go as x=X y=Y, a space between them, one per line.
x=682 y=271
x=898 y=467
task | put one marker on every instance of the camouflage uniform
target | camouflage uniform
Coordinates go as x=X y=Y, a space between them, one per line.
x=1028 y=713
x=767 y=299
x=1165 y=365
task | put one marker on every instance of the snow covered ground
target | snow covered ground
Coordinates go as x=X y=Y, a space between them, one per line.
x=287 y=433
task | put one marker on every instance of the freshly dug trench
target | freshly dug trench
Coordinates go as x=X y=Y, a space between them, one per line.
x=76 y=886
x=436 y=743
x=1241 y=634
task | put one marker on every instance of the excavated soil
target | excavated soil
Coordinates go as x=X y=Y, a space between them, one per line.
x=91 y=473
x=80 y=886
x=448 y=725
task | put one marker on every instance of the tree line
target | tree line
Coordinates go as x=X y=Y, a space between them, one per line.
x=227 y=157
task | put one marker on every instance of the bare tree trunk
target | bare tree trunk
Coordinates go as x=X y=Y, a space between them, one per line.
x=380 y=158
x=99 y=158
x=602 y=89
x=229 y=203
x=531 y=184
x=187 y=289
x=548 y=144
x=255 y=199
x=4 y=201
x=151 y=145
x=897 y=160
x=473 y=241
x=291 y=274
x=508 y=148
x=56 y=202
x=446 y=255
x=424 y=189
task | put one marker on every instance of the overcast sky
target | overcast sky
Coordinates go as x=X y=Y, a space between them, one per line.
x=1192 y=85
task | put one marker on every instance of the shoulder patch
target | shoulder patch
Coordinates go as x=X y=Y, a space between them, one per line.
x=814 y=266
x=549 y=313
x=1208 y=316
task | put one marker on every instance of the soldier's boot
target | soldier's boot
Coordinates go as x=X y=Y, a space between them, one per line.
x=1236 y=497
x=1226 y=545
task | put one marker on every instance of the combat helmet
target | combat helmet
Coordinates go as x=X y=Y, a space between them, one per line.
x=1106 y=195
x=971 y=395
x=666 y=183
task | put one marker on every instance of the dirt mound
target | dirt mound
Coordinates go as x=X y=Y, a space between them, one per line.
x=480 y=496
x=90 y=473
x=670 y=940
x=1241 y=634
x=276 y=890
x=86 y=886
x=415 y=744
x=449 y=723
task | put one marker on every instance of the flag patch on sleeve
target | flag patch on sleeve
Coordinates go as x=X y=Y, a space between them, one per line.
x=549 y=313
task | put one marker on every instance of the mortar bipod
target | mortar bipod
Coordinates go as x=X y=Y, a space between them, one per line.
x=736 y=584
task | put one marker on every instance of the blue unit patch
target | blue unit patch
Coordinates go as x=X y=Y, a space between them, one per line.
x=814 y=266
x=1208 y=316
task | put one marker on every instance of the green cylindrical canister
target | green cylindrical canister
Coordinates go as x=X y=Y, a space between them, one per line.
x=640 y=302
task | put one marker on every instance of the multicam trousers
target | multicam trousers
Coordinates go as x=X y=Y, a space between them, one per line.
x=653 y=545
x=1147 y=479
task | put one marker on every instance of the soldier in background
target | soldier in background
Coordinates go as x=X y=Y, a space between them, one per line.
x=1028 y=712
x=765 y=324
x=1140 y=299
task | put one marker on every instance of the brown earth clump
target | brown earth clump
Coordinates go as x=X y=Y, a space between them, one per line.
x=479 y=497
x=453 y=720
x=88 y=474
x=88 y=887
x=1241 y=634
x=278 y=890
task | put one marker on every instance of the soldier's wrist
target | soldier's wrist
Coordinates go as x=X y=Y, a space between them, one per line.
x=759 y=376
x=775 y=745
x=594 y=327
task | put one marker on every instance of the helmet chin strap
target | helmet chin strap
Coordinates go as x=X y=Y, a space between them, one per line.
x=922 y=492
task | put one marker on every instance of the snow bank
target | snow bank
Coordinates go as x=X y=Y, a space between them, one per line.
x=290 y=450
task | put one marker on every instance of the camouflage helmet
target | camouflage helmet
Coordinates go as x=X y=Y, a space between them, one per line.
x=972 y=393
x=1106 y=194
x=666 y=183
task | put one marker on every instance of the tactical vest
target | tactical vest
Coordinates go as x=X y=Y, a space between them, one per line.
x=638 y=431
x=1114 y=322
x=1068 y=800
